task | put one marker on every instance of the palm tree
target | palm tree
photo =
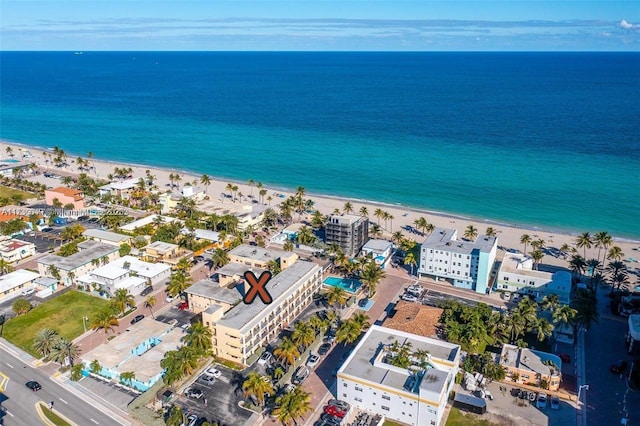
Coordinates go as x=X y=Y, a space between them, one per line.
x=199 y=337
x=105 y=320
x=303 y=334
x=348 y=332
x=410 y=259
x=177 y=417
x=305 y=235
x=255 y=386
x=602 y=240
x=564 y=315
x=220 y=257
x=45 y=341
x=64 y=351
x=615 y=252
x=361 y=319
x=586 y=305
x=543 y=329
x=347 y=208
x=95 y=367
x=577 y=265
x=178 y=283
x=370 y=276
x=292 y=405
x=397 y=237
x=287 y=351
x=127 y=377
x=470 y=233
x=150 y=303
x=537 y=256
x=122 y=299
x=318 y=324
x=491 y=232
x=379 y=214
x=5 y=267
x=594 y=266
x=364 y=212
x=337 y=296
x=525 y=239
x=584 y=241
x=550 y=303
x=251 y=185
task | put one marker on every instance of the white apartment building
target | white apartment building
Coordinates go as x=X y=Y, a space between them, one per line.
x=466 y=264
x=241 y=331
x=12 y=250
x=416 y=395
x=517 y=275
x=128 y=273
x=90 y=256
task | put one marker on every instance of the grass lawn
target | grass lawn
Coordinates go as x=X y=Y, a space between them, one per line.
x=390 y=423
x=63 y=314
x=457 y=418
x=7 y=192
x=53 y=417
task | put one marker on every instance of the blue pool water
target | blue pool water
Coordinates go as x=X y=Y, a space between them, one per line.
x=351 y=286
x=10 y=160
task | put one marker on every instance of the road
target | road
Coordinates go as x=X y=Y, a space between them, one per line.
x=21 y=402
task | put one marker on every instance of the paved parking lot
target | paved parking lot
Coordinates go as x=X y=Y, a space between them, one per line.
x=220 y=400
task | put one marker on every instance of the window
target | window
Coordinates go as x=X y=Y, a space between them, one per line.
x=344 y=395
x=344 y=384
x=357 y=399
x=358 y=388
x=385 y=408
x=387 y=397
x=431 y=411
x=433 y=422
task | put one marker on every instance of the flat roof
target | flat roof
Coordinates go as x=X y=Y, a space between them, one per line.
x=445 y=239
x=89 y=250
x=146 y=221
x=205 y=234
x=105 y=235
x=234 y=268
x=286 y=281
x=523 y=265
x=144 y=269
x=16 y=278
x=376 y=244
x=529 y=359
x=122 y=185
x=361 y=363
x=258 y=253
x=345 y=218
x=212 y=290
x=161 y=246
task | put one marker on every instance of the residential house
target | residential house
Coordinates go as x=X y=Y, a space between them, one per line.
x=349 y=232
x=372 y=380
x=107 y=237
x=464 y=263
x=121 y=189
x=168 y=253
x=378 y=250
x=12 y=250
x=170 y=200
x=65 y=196
x=148 y=220
x=517 y=275
x=532 y=367
x=414 y=318
x=127 y=272
x=90 y=256
x=13 y=283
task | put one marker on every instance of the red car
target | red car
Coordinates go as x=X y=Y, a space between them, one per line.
x=183 y=305
x=335 y=411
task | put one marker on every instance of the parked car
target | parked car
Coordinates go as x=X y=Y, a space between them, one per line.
x=290 y=387
x=28 y=291
x=33 y=385
x=147 y=290
x=265 y=358
x=332 y=410
x=409 y=298
x=300 y=375
x=340 y=404
x=555 y=402
x=213 y=372
x=313 y=361
x=515 y=297
x=137 y=318
x=206 y=380
x=565 y=358
x=542 y=401
x=192 y=420
x=506 y=295
x=169 y=299
x=194 y=393
x=183 y=306
x=324 y=348
x=328 y=418
x=618 y=367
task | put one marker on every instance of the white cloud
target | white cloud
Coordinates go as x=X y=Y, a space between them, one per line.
x=628 y=25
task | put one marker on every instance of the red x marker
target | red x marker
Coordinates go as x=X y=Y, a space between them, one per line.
x=257 y=287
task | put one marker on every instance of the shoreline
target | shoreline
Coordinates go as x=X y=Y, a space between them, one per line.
x=508 y=234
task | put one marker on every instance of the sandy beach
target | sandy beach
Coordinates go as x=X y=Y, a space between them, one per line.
x=508 y=236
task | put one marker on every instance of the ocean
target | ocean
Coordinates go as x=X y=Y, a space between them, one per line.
x=550 y=140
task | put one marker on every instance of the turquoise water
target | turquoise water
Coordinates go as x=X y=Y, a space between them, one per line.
x=350 y=286
x=546 y=140
x=10 y=160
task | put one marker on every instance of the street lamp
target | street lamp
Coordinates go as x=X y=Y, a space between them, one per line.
x=84 y=324
x=585 y=387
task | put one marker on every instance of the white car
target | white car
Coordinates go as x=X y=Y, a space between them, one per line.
x=265 y=358
x=169 y=299
x=213 y=372
x=409 y=298
x=28 y=291
x=506 y=296
x=313 y=361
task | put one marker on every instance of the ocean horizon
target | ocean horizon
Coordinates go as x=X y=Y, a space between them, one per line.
x=539 y=140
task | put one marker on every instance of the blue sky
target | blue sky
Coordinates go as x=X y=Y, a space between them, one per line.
x=319 y=25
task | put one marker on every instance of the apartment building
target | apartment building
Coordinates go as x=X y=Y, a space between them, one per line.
x=374 y=377
x=517 y=275
x=12 y=250
x=65 y=196
x=17 y=281
x=107 y=237
x=465 y=264
x=349 y=232
x=239 y=332
x=532 y=367
x=259 y=257
x=168 y=253
x=90 y=256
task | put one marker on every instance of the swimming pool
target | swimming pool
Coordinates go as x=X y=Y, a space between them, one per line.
x=10 y=160
x=351 y=286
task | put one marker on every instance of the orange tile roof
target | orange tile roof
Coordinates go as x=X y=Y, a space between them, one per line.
x=69 y=192
x=414 y=318
x=6 y=217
